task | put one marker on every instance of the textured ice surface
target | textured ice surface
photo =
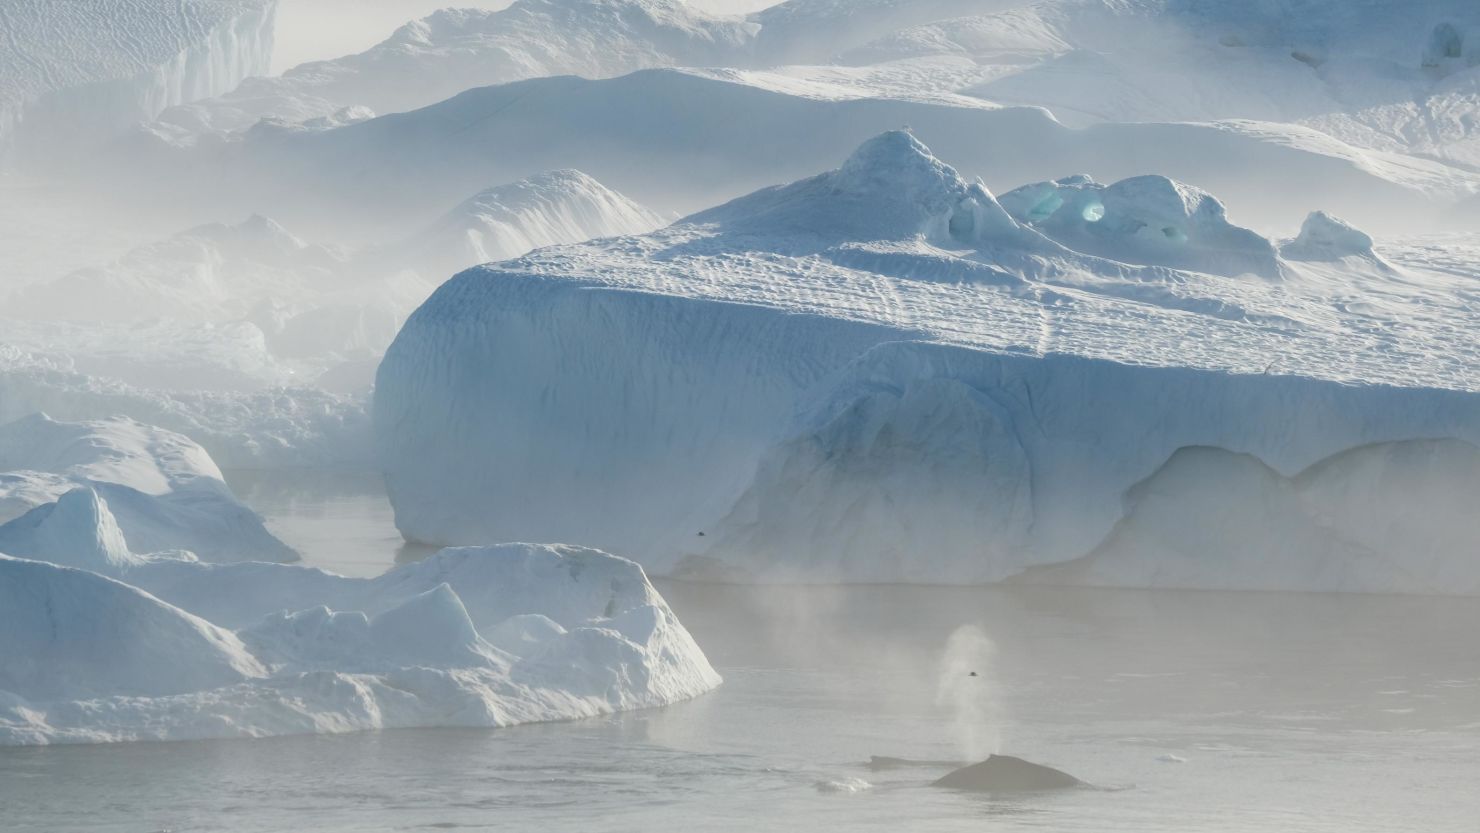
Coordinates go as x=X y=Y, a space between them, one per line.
x=71 y=72
x=165 y=490
x=88 y=658
x=877 y=374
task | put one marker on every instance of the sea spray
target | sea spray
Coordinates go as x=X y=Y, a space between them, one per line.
x=967 y=687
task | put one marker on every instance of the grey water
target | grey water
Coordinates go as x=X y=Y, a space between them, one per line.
x=1187 y=711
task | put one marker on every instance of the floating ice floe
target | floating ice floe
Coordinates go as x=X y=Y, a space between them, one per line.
x=91 y=658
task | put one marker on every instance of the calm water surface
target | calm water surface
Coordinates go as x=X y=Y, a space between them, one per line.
x=1191 y=712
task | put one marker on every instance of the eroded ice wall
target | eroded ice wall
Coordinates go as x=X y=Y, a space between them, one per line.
x=73 y=73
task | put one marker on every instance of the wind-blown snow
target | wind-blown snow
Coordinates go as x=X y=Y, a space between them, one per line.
x=72 y=73
x=165 y=490
x=878 y=374
x=87 y=658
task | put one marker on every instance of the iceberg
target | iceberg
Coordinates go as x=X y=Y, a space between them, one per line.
x=878 y=374
x=74 y=74
x=165 y=491
x=87 y=658
x=454 y=49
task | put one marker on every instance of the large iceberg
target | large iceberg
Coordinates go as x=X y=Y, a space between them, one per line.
x=77 y=72
x=879 y=374
x=469 y=637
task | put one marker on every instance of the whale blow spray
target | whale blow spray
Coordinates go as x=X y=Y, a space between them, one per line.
x=967 y=687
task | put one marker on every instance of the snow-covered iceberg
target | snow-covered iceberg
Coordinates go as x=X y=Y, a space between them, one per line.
x=469 y=637
x=879 y=374
x=454 y=49
x=164 y=490
x=76 y=73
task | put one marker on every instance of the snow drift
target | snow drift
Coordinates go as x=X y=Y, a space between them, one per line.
x=878 y=374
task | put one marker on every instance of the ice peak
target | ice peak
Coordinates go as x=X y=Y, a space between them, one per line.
x=891 y=188
x=897 y=163
x=433 y=626
x=78 y=530
x=1324 y=237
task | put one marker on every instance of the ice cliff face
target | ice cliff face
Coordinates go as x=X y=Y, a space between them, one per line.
x=879 y=374
x=77 y=72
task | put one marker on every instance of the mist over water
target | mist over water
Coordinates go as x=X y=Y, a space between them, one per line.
x=968 y=687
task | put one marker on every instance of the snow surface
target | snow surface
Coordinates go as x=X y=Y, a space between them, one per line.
x=164 y=489
x=878 y=374
x=88 y=658
x=71 y=73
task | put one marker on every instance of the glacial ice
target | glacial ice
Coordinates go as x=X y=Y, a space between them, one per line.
x=564 y=206
x=76 y=635
x=168 y=648
x=164 y=489
x=455 y=49
x=1149 y=220
x=842 y=379
x=1323 y=237
x=77 y=73
x=663 y=130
